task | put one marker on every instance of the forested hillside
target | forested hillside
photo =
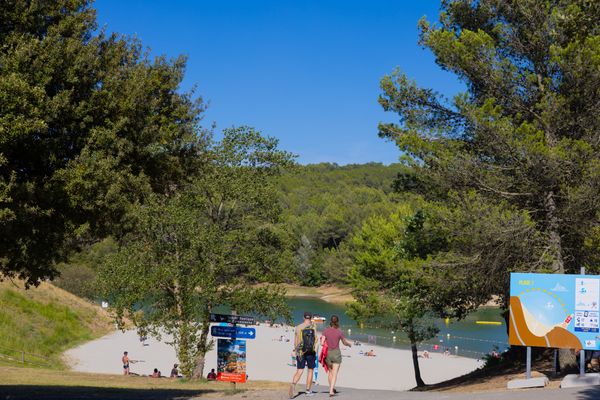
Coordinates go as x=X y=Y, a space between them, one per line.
x=323 y=204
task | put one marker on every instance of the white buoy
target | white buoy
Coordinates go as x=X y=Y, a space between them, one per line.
x=394 y=338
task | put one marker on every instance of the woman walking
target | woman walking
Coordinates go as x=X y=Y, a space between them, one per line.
x=332 y=337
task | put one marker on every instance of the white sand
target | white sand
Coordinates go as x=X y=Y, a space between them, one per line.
x=270 y=359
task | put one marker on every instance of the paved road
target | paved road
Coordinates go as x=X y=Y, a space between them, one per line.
x=17 y=392
x=592 y=393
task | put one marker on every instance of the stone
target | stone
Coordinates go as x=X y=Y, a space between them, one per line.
x=540 y=381
x=575 y=380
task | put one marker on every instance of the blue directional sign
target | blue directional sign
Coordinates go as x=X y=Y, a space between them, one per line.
x=233 y=332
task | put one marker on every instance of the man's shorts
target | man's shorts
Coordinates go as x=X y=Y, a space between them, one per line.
x=307 y=360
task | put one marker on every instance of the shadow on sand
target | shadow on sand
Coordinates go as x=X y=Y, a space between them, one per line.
x=21 y=392
x=591 y=393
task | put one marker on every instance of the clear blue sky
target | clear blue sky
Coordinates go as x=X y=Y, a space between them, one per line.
x=306 y=72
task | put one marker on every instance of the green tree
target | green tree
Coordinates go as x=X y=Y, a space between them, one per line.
x=89 y=125
x=201 y=247
x=395 y=284
x=524 y=133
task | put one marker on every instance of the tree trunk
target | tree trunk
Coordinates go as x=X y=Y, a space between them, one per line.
x=415 y=358
x=184 y=349
x=201 y=352
x=554 y=239
x=566 y=357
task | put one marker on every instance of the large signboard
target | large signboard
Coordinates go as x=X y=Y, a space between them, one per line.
x=554 y=310
x=231 y=360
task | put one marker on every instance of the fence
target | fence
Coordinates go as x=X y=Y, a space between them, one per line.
x=24 y=358
x=463 y=350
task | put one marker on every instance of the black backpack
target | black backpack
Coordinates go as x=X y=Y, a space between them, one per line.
x=307 y=345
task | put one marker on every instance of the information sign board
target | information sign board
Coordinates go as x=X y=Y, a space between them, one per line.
x=555 y=310
x=231 y=360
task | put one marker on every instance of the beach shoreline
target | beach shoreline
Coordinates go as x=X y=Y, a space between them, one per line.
x=269 y=359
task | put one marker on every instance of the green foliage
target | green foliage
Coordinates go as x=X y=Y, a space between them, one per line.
x=89 y=126
x=398 y=277
x=202 y=247
x=45 y=329
x=516 y=155
x=323 y=205
x=77 y=275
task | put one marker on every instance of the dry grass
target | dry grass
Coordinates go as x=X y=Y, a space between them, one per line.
x=37 y=382
x=94 y=316
x=496 y=378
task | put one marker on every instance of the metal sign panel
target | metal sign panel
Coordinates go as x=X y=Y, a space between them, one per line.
x=554 y=310
x=233 y=332
x=233 y=319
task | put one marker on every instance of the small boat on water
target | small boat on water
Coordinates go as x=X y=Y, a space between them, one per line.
x=318 y=319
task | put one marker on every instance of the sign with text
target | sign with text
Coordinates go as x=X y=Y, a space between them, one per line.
x=231 y=360
x=555 y=310
x=233 y=332
x=233 y=319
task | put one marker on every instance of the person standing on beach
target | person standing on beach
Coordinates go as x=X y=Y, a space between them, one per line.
x=333 y=335
x=125 y=361
x=305 y=343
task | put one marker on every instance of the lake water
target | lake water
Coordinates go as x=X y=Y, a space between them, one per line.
x=473 y=340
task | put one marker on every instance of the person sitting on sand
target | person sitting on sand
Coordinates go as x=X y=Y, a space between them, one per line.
x=155 y=374
x=370 y=353
x=211 y=375
x=425 y=354
x=447 y=352
x=175 y=371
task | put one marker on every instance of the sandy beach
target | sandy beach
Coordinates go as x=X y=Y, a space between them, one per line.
x=268 y=358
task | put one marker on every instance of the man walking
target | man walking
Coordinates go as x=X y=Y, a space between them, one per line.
x=305 y=343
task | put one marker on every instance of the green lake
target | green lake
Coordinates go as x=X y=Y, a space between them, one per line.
x=473 y=340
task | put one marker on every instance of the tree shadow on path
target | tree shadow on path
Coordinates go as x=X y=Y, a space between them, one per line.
x=27 y=392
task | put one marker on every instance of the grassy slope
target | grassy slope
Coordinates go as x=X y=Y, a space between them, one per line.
x=45 y=321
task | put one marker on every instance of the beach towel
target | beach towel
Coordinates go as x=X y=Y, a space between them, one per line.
x=323 y=356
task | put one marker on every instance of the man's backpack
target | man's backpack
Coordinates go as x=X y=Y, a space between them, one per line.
x=307 y=345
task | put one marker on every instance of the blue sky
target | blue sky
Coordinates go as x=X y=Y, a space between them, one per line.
x=306 y=72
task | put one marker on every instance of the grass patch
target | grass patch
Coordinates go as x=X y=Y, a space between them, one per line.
x=43 y=322
x=41 y=383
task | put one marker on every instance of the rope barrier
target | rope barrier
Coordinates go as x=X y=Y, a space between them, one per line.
x=429 y=345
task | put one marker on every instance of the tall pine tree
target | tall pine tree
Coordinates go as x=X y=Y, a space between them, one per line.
x=525 y=134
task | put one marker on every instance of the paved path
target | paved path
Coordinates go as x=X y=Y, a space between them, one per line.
x=592 y=393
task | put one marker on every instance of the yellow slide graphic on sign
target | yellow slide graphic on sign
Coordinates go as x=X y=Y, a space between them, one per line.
x=525 y=330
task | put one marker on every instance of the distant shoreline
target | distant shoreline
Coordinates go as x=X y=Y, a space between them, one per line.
x=329 y=293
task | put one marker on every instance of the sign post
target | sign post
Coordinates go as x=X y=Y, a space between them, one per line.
x=231 y=346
